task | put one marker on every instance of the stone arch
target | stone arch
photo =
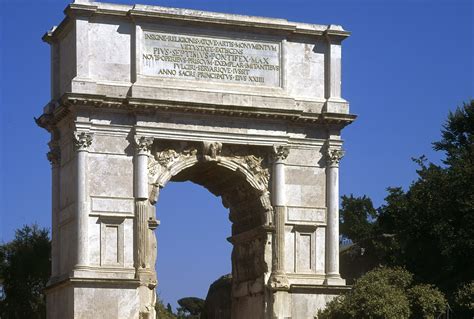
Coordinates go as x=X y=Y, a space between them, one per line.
x=172 y=160
x=240 y=176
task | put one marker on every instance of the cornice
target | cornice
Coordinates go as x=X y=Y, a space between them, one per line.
x=148 y=12
x=56 y=110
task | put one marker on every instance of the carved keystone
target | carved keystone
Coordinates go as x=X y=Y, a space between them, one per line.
x=211 y=150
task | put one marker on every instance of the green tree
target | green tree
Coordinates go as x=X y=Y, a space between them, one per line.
x=426 y=301
x=429 y=229
x=25 y=269
x=191 y=307
x=163 y=312
x=464 y=300
x=386 y=293
x=356 y=218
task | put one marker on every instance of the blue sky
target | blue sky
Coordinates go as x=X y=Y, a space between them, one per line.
x=406 y=65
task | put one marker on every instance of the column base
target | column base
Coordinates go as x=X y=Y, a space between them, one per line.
x=147 y=277
x=279 y=282
x=334 y=280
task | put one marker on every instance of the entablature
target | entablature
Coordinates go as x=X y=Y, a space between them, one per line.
x=56 y=110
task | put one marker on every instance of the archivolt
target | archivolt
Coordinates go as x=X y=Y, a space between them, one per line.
x=240 y=178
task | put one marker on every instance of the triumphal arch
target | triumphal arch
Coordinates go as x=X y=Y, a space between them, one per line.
x=248 y=107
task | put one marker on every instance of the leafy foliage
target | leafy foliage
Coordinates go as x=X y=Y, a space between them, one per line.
x=163 y=312
x=386 y=293
x=25 y=269
x=428 y=229
x=355 y=217
x=464 y=300
x=426 y=301
x=191 y=307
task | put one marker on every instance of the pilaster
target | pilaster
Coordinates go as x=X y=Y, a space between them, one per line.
x=334 y=102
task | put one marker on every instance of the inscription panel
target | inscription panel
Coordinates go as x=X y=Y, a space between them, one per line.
x=211 y=59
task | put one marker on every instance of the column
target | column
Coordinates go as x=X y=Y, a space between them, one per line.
x=278 y=280
x=143 y=145
x=279 y=205
x=82 y=142
x=54 y=157
x=333 y=277
x=144 y=236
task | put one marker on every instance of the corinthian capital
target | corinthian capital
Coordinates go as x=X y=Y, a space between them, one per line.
x=280 y=152
x=334 y=156
x=54 y=156
x=82 y=140
x=143 y=144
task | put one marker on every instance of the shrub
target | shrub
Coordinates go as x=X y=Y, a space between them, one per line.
x=464 y=300
x=386 y=293
x=426 y=301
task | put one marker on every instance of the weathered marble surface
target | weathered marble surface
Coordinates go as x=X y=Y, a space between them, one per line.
x=254 y=116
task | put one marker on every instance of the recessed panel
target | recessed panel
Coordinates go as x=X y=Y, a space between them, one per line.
x=111 y=248
x=214 y=59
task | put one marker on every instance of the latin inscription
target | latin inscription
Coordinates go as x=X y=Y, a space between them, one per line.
x=211 y=59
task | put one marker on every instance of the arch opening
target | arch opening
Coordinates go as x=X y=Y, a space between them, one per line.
x=240 y=179
x=187 y=267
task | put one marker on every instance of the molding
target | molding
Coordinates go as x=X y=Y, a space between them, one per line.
x=319 y=289
x=69 y=102
x=138 y=13
x=98 y=282
x=250 y=234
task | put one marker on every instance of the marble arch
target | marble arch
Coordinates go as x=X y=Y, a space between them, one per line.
x=249 y=107
x=240 y=175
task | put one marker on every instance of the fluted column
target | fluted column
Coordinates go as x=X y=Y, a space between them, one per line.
x=54 y=157
x=279 y=280
x=82 y=141
x=333 y=156
x=143 y=145
x=145 y=223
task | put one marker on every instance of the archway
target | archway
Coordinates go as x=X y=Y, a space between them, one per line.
x=126 y=118
x=192 y=248
x=239 y=175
